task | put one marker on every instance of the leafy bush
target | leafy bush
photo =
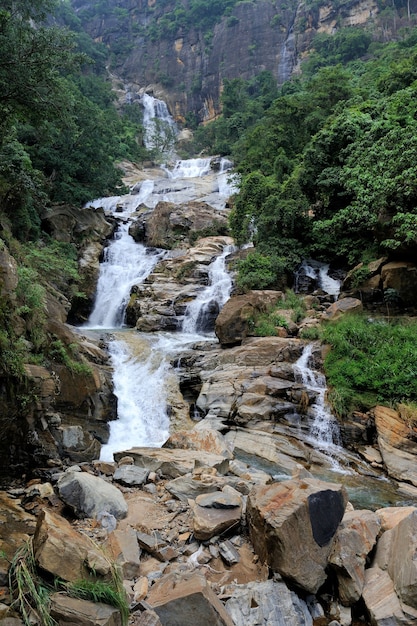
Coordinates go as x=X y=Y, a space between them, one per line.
x=371 y=361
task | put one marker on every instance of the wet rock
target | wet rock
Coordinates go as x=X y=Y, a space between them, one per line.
x=89 y=495
x=292 y=526
x=172 y=463
x=269 y=602
x=187 y=600
x=232 y=323
x=68 y=611
x=62 y=551
x=355 y=538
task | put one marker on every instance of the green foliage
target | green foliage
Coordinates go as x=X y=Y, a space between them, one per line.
x=30 y=596
x=31 y=296
x=258 y=271
x=370 y=361
x=111 y=593
x=67 y=355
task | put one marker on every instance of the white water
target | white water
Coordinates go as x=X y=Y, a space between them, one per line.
x=214 y=295
x=141 y=362
x=160 y=128
x=320 y=272
x=126 y=263
x=324 y=429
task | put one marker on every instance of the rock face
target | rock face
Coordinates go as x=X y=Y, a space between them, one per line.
x=396 y=440
x=171 y=226
x=193 y=65
x=233 y=321
x=161 y=301
x=292 y=526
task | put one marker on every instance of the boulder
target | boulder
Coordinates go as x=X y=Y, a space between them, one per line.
x=382 y=603
x=174 y=463
x=90 y=495
x=202 y=437
x=342 y=307
x=396 y=440
x=169 y=225
x=269 y=602
x=131 y=475
x=292 y=525
x=69 y=611
x=62 y=551
x=123 y=547
x=401 y=558
x=353 y=541
x=232 y=323
x=401 y=276
x=187 y=600
x=214 y=513
x=390 y=516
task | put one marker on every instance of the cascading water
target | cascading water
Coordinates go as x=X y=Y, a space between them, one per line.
x=324 y=429
x=125 y=263
x=318 y=273
x=204 y=308
x=160 y=128
x=141 y=370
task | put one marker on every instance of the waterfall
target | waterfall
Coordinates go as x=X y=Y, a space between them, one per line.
x=202 y=311
x=287 y=56
x=139 y=386
x=318 y=273
x=125 y=263
x=160 y=128
x=324 y=429
x=141 y=363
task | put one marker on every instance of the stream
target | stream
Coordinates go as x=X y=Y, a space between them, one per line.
x=144 y=374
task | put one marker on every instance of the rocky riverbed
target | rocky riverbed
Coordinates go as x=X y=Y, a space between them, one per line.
x=249 y=513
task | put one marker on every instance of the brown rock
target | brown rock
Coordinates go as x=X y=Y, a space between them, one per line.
x=69 y=611
x=390 y=516
x=401 y=276
x=292 y=525
x=342 y=307
x=173 y=463
x=214 y=513
x=187 y=600
x=382 y=602
x=123 y=547
x=65 y=553
x=232 y=322
x=354 y=539
x=396 y=440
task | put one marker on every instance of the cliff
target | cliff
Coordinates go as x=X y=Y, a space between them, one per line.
x=153 y=45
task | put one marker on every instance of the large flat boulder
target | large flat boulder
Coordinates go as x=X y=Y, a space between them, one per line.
x=292 y=525
x=172 y=463
x=187 y=600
